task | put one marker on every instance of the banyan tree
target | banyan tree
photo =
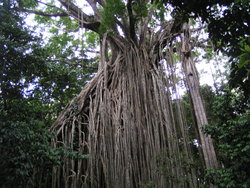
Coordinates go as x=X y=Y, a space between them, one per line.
x=124 y=119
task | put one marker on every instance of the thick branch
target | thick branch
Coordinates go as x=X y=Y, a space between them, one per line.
x=41 y=13
x=131 y=21
x=144 y=26
x=89 y=22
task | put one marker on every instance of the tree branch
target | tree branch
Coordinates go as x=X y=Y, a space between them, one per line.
x=92 y=3
x=86 y=21
x=131 y=21
x=144 y=26
x=165 y=35
x=41 y=13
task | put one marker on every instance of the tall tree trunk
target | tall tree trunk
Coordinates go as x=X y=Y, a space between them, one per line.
x=181 y=123
x=192 y=80
x=123 y=119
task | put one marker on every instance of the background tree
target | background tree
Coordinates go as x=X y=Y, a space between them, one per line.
x=231 y=134
x=24 y=142
x=228 y=28
x=30 y=89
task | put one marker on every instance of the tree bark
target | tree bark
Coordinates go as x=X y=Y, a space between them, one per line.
x=192 y=80
x=124 y=120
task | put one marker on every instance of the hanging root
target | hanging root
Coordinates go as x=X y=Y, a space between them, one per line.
x=123 y=120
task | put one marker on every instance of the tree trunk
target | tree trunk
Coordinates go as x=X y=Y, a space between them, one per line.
x=181 y=123
x=123 y=120
x=192 y=80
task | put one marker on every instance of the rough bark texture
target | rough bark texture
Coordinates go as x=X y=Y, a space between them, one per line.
x=180 y=117
x=124 y=120
x=192 y=80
